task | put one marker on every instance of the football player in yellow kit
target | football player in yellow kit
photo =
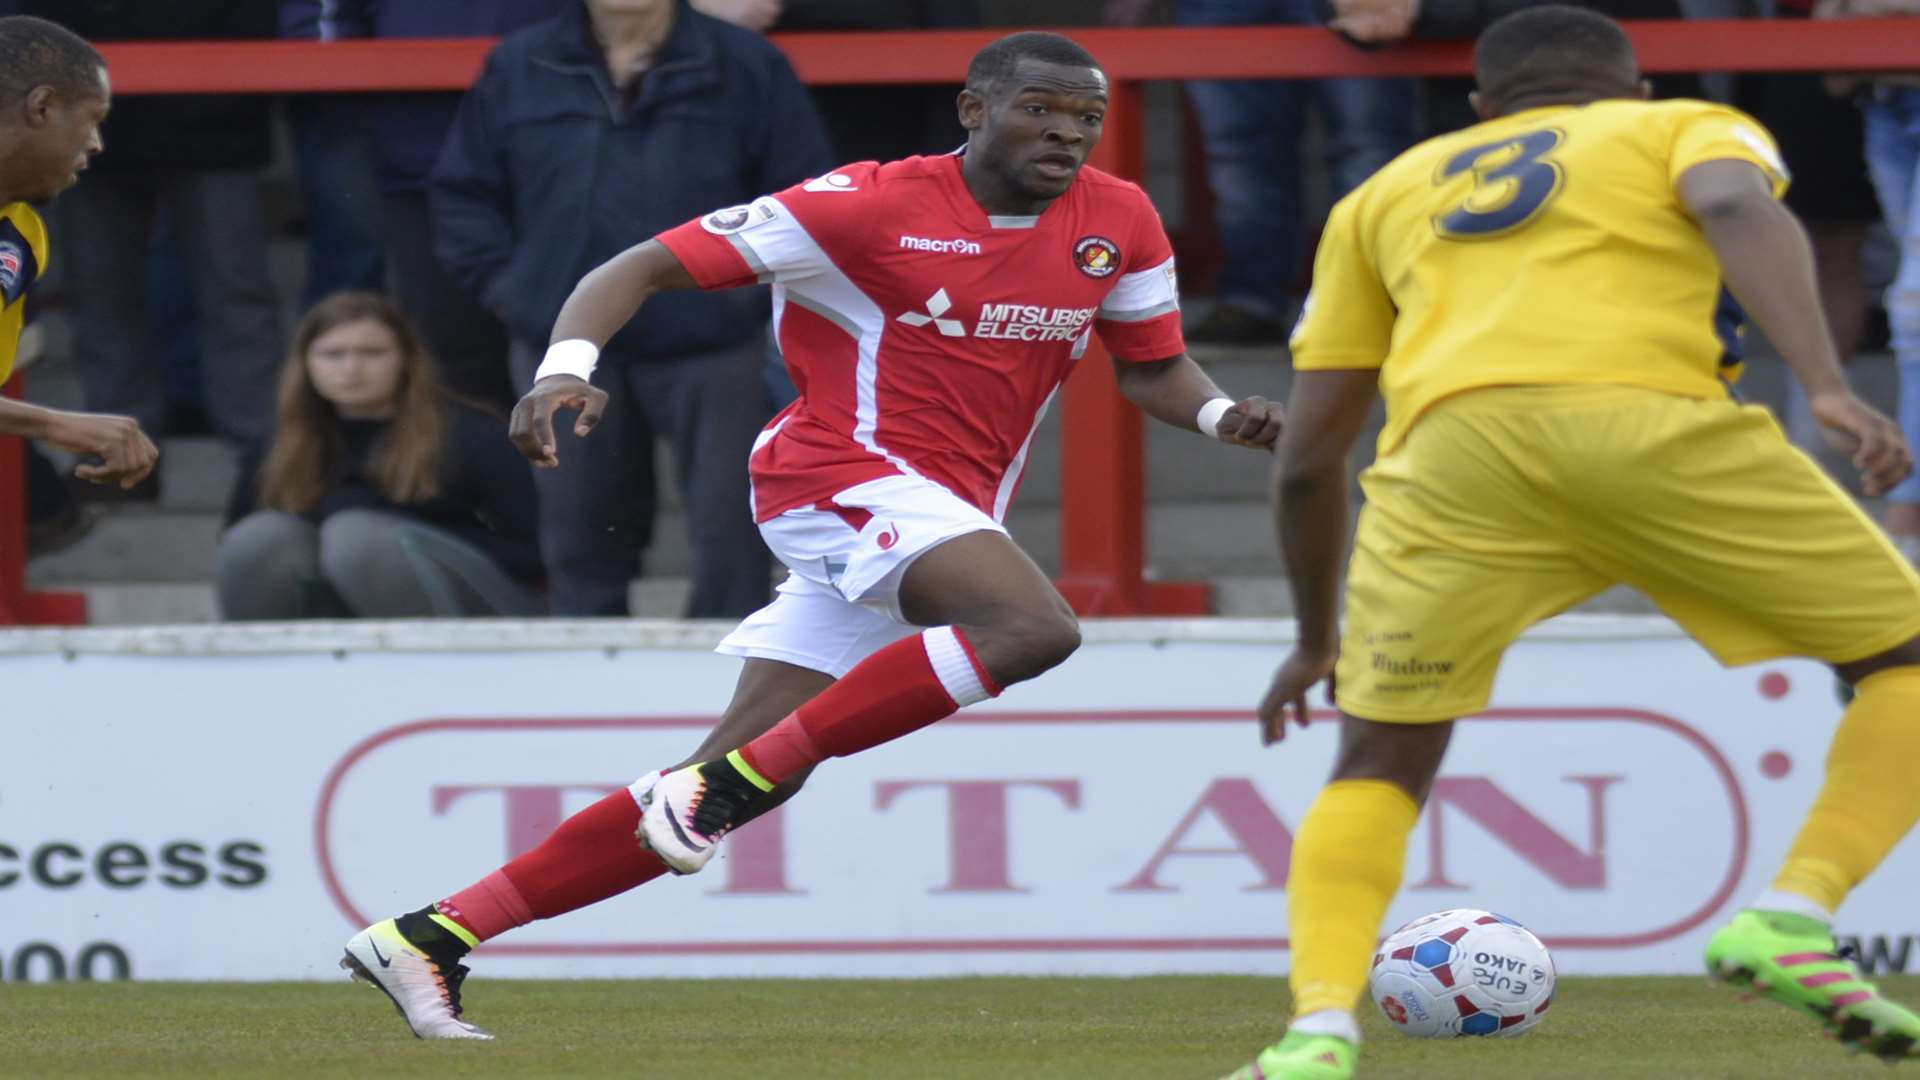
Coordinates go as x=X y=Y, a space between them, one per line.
x=1542 y=301
x=53 y=96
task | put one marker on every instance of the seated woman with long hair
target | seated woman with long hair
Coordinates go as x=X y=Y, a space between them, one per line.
x=380 y=495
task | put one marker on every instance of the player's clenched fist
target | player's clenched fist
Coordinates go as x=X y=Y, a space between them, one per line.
x=126 y=454
x=1253 y=421
x=531 y=428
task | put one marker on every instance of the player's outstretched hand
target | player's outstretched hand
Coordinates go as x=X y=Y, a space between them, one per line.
x=126 y=454
x=531 y=428
x=1253 y=421
x=1878 y=448
x=1298 y=673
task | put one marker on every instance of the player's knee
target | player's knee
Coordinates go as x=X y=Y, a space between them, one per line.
x=1905 y=654
x=1029 y=644
x=1407 y=755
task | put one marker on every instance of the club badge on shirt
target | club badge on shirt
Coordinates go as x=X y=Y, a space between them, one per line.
x=12 y=261
x=737 y=218
x=1096 y=256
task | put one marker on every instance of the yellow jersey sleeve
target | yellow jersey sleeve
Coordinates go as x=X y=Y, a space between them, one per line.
x=1347 y=320
x=23 y=257
x=1718 y=133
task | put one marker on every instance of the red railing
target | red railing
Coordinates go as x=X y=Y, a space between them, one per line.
x=1103 y=547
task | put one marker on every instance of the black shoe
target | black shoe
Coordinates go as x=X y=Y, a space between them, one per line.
x=146 y=491
x=60 y=530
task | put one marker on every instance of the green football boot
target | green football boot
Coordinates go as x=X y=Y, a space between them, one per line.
x=1793 y=960
x=1300 y=1056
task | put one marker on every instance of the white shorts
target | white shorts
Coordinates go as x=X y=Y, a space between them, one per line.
x=846 y=557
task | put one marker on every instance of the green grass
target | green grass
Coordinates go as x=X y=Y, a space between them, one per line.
x=1000 y=1028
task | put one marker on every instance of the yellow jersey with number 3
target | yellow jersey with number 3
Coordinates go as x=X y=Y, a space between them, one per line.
x=1545 y=247
x=23 y=258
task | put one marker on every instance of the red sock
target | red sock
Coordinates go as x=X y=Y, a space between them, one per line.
x=900 y=689
x=593 y=855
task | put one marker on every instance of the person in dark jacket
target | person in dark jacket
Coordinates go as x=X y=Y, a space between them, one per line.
x=884 y=123
x=405 y=132
x=197 y=159
x=381 y=496
x=585 y=135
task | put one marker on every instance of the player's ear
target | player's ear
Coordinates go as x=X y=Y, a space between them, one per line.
x=1481 y=107
x=1644 y=89
x=972 y=108
x=38 y=107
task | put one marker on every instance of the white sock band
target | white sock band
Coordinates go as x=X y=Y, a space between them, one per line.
x=953 y=665
x=1791 y=904
x=1340 y=1025
x=574 y=356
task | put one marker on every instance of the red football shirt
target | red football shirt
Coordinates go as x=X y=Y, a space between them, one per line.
x=927 y=337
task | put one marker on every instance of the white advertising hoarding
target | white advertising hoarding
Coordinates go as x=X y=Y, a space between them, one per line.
x=232 y=803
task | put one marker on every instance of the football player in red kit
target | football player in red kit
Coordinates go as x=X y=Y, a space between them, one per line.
x=928 y=310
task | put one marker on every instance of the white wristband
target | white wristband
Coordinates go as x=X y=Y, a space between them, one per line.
x=574 y=356
x=1209 y=419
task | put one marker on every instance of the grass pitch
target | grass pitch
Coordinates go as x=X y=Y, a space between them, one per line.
x=1172 y=1027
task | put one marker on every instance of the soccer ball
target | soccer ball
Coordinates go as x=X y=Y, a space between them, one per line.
x=1462 y=972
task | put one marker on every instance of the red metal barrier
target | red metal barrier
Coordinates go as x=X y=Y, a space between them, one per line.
x=938 y=56
x=1102 y=481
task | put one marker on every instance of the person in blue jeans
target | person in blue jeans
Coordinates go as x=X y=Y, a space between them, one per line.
x=1251 y=129
x=1893 y=159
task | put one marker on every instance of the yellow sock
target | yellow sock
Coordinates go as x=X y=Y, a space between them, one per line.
x=1347 y=859
x=1870 y=798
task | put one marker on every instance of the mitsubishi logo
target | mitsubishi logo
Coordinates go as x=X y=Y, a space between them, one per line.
x=937 y=305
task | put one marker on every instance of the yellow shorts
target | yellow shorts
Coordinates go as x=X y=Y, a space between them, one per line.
x=1507 y=505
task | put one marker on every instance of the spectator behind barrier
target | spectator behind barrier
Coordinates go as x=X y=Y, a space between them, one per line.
x=381 y=496
x=586 y=135
x=1252 y=130
x=1378 y=22
x=199 y=157
x=1821 y=137
x=1892 y=106
x=405 y=132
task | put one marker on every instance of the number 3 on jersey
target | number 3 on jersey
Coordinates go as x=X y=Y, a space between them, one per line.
x=1512 y=181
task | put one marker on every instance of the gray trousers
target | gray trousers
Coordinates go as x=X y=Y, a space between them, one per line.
x=597 y=508
x=359 y=564
x=101 y=233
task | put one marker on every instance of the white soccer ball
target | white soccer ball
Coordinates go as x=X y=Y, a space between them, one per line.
x=1462 y=972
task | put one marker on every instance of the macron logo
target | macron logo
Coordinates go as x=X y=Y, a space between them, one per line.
x=940 y=247
x=937 y=305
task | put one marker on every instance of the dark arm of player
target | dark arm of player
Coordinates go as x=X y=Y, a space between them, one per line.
x=1767 y=262
x=607 y=298
x=1173 y=390
x=125 y=453
x=1326 y=413
x=598 y=307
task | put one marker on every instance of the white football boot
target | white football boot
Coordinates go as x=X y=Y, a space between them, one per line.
x=686 y=812
x=426 y=992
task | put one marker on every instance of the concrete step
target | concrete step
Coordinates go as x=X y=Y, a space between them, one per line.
x=158 y=545
x=174 y=603
x=153 y=604
x=136 y=544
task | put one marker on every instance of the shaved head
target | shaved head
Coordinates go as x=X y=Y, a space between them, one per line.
x=994 y=67
x=1554 y=51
